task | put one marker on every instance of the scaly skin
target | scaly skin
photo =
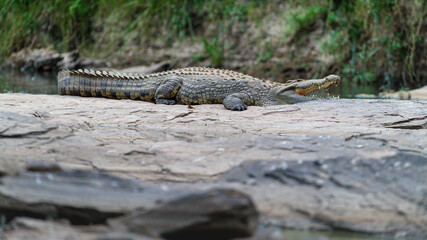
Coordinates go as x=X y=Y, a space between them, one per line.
x=194 y=85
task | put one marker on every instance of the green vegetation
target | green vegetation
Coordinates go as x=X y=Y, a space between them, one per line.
x=383 y=37
x=368 y=41
x=215 y=49
x=301 y=19
x=63 y=24
x=266 y=53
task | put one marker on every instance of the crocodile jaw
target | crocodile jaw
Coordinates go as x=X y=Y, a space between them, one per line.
x=305 y=87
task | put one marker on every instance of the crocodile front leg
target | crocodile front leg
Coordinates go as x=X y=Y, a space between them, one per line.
x=166 y=92
x=238 y=101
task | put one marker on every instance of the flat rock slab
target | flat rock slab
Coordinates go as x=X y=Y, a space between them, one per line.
x=374 y=182
x=157 y=142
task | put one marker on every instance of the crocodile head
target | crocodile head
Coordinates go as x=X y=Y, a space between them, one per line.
x=295 y=91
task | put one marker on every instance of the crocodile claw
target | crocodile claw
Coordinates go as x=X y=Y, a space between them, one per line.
x=239 y=107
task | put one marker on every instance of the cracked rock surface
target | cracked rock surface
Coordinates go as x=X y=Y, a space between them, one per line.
x=331 y=164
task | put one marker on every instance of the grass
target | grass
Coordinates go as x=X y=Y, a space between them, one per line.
x=215 y=49
x=370 y=41
x=302 y=18
x=266 y=53
x=63 y=24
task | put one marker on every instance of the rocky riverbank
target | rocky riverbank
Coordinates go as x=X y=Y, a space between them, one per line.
x=139 y=170
x=417 y=94
x=47 y=59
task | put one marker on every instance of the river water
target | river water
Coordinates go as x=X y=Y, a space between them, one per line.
x=307 y=235
x=15 y=81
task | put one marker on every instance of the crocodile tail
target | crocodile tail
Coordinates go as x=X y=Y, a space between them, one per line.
x=90 y=83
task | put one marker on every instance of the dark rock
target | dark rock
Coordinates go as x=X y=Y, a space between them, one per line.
x=79 y=196
x=386 y=191
x=46 y=59
x=43 y=166
x=43 y=59
x=44 y=63
x=214 y=214
x=84 y=197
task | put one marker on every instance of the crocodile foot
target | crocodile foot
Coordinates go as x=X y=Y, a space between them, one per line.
x=239 y=107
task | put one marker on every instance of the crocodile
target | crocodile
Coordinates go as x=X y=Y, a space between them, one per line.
x=192 y=85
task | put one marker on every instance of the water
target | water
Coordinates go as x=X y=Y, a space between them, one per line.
x=307 y=235
x=347 y=89
x=15 y=81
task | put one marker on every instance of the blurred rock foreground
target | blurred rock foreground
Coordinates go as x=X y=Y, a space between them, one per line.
x=122 y=169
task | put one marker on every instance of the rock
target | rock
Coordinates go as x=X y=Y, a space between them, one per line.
x=214 y=214
x=84 y=197
x=417 y=94
x=34 y=229
x=43 y=62
x=59 y=194
x=70 y=60
x=159 y=67
x=46 y=59
x=411 y=123
x=42 y=166
x=350 y=164
x=328 y=190
x=37 y=59
x=15 y=125
x=9 y=168
x=91 y=63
